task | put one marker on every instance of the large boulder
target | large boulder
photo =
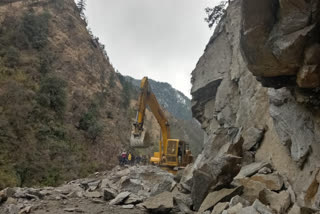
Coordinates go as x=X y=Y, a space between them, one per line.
x=253 y=137
x=187 y=178
x=109 y=194
x=238 y=199
x=235 y=209
x=161 y=203
x=223 y=195
x=293 y=123
x=261 y=208
x=220 y=207
x=272 y=181
x=120 y=198
x=296 y=209
x=133 y=199
x=215 y=172
x=251 y=169
x=251 y=188
x=218 y=165
x=279 y=202
x=311 y=197
x=182 y=198
x=247 y=210
x=275 y=35
x=131 y=185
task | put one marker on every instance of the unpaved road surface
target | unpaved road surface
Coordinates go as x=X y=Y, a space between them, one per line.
x=81 y=206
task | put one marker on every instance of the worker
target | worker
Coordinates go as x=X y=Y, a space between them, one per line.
x=133 y=159
x=129 y=158
x=179 y=155
x=120 y=159
x=144 y=160
x=123 y=158
x=138 y=159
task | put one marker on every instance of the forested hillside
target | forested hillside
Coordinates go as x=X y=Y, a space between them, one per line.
x=61 y=102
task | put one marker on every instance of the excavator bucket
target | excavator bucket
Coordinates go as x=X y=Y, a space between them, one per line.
x=139 y=141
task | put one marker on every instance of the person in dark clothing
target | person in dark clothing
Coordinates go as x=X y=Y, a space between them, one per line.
x=120 y=159
x=138 y=159
x=133 y=159
x=179 y=155
x=123 y=158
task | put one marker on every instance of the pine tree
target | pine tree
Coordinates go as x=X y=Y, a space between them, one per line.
x=82 y=7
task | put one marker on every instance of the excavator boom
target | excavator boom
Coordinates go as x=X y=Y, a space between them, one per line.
x=139 y=135
x=172 y=152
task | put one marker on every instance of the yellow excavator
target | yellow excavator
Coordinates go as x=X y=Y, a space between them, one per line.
x=173 y=153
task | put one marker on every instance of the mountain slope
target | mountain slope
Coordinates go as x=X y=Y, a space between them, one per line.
x=61 y=102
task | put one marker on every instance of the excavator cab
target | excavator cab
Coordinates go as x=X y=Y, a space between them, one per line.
x=177 y=155
x=186 y=154
x=172 y=152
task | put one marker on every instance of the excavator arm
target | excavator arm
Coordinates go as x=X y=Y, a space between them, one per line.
x=147 y=98
x=172 y=152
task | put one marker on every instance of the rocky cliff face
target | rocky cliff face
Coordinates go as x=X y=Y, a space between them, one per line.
x=257 y=45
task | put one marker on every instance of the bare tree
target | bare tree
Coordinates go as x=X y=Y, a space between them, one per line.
x=82 y=7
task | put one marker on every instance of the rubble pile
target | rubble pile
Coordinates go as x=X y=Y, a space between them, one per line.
x=256 y=188
x=226 y=184
x=139 y=187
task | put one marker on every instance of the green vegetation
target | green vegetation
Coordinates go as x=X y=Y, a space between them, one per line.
x=59 y=4
x=112 y=80
x=34 y=29
x=127 y=92
x=82 y=7
x=215 y=14
x=90 y=121
x=52 y=94
x=46 y=59
x=29 y=103
x=47 y=132
x=11 y=57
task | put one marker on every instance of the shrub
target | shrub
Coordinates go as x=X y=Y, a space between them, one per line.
x=46 y=59
x=82 y=7
x=7 y=178
x=95 y=131
x=12 y=57
x=88 y=119
x=52 y=94
x=59 y=4
x=35 y=28
x=90 y=123
x=215 y=14
x=52 y=177
x=128 y=88
x=112 y=81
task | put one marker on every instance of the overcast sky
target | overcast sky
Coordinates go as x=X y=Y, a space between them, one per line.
x=160 y=39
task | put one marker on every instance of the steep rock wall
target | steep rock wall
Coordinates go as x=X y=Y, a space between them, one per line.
x=277 y=125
